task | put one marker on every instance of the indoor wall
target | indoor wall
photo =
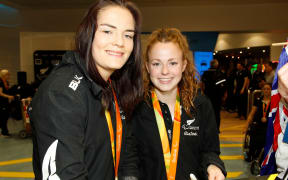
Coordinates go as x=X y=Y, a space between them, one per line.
x=231 y=21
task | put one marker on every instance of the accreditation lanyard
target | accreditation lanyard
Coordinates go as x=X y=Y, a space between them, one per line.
x=118 y=134
x=265 y=108
x=170 y=157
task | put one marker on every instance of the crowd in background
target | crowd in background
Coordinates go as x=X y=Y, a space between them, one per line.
x=247 y=92
x=238 y=80
x=232 y=91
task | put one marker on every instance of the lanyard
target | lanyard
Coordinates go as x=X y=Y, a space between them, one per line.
x=170 y=158
x=118 y=134
x=265 y=108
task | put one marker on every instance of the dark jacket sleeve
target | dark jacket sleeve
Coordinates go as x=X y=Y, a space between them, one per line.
x=129 y=163
x=210 y=139
x=58 y=123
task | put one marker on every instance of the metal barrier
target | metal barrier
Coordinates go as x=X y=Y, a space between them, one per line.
x=26 y=120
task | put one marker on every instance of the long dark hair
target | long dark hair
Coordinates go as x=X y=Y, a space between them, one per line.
x=127 y=81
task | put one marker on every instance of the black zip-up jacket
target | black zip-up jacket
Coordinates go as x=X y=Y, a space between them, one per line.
x=70 y=133
x=199 y=141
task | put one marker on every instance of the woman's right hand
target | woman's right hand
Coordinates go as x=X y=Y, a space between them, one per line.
x=214 y=173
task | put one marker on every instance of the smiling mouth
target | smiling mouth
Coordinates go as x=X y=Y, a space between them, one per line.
x=165 y=80
x=115 y=53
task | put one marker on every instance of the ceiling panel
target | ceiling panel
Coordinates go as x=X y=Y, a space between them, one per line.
x=76 y=4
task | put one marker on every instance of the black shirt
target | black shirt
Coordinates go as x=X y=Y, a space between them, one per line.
x=257 y=77
x=168 y=120
x=259 y=113
x=4 y=102
x=240 y=79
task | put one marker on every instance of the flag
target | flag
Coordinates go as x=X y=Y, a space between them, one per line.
x=275 y=122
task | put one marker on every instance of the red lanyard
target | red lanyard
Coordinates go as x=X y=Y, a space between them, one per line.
x=265 y=108
x=118 y=134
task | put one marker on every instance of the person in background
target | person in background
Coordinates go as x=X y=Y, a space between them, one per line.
x=269 y=72
x=5 y=99
x=230 y=102
x=281 y=154
x=249 y=75
x=257 y=121
x=21 y=91
x=80 y=113
x=241 y=90
x=174 y=126
x=214 y=87
x=257 y=78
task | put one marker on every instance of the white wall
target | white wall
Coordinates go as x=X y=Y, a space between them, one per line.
x=33 y=41
x=9 y=52
x=258 y=17
x=222 y=18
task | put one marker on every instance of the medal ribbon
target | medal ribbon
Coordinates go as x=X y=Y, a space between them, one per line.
x=170 y=157
x=118 y=134
x=265 y=109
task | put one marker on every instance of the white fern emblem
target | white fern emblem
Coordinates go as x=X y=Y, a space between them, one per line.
x=49 y=163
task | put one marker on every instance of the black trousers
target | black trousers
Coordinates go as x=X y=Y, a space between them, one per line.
x=4 y=116
x=216 y=103
x=242 y=103
x=217 y=109
x=257 y=140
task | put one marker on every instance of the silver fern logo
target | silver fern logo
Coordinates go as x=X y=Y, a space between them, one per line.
x=190 y=121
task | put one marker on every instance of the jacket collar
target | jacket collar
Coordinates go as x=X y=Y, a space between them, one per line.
x=72 y=57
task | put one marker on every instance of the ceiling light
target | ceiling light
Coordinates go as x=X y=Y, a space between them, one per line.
x=263 y=50
x=241 y=52
x=248 y=47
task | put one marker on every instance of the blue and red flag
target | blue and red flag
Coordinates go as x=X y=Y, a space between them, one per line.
x=277 y=115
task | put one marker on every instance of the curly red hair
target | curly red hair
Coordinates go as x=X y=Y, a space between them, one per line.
x=188 y=85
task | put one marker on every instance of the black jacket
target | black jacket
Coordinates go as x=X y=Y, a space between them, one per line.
x=215 y=84
x=70 y=132
x=199 y=141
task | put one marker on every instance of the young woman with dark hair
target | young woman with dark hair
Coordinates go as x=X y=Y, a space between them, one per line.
x=174 y=126
x=128 y=81
x=80 y=114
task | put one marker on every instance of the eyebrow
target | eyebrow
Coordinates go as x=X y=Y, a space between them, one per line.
x=170 y=59
x=114 y=27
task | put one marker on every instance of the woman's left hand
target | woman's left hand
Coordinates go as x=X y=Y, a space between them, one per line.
x=214 y=173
